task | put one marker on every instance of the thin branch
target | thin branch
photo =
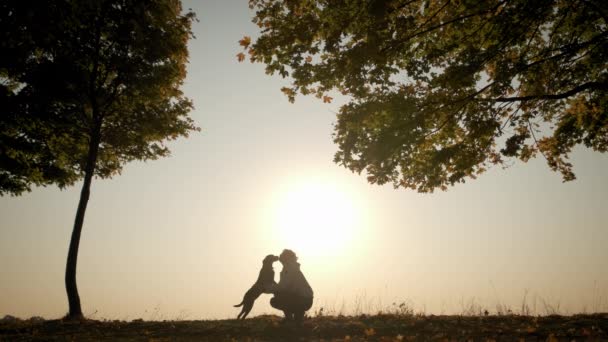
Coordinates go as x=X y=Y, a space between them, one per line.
x=401 y=6
x=510 y=118
x=435 y=14
x=531 y=130
x=560 y=22
x=540 y=22
x=448 y=119
x=573 y=91
x=568 y=50
x=484 y=23
x=432 y=28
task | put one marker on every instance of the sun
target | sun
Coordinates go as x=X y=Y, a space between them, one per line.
x=317 y=219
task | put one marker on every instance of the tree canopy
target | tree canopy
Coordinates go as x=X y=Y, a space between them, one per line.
x=72 y=70
x=438 y=91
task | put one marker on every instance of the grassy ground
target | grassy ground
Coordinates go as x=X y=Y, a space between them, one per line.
x=361 y=328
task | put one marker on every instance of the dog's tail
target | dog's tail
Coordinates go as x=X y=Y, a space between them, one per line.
x=240 y=304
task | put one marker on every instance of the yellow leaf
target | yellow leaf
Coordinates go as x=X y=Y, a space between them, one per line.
x=288 y=91
x=308 y=59
x=240 y=56
x=245 y=41
x=327 y=99
x=370 y=332
x=552 y=338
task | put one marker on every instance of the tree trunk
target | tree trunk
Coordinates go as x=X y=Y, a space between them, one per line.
x=70 y=269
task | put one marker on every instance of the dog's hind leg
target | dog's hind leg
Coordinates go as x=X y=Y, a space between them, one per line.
x=246 y=309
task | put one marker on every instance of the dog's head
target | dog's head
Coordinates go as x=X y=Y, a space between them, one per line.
x=269 y=259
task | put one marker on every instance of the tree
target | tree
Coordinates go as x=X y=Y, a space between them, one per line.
x=438 y=91
x=85 y=87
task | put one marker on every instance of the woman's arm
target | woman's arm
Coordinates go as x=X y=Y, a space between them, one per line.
x=272 y=287
x=285 y=282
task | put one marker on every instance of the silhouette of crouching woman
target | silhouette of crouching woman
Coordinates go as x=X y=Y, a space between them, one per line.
x=293 y=295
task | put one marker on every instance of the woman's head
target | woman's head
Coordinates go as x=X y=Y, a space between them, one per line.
x=288 y=257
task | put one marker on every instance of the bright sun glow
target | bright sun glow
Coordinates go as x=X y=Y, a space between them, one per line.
x=317 y=219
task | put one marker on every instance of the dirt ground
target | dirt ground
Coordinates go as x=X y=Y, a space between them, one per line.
x=360 y=328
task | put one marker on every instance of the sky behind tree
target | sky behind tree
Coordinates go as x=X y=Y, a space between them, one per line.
x=184 y=237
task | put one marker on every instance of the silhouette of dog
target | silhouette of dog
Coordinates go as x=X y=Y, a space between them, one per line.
x=262 y=285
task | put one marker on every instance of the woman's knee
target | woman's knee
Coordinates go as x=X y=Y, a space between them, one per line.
x=277 y=303
x=308 y=304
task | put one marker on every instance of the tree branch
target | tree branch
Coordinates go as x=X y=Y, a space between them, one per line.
x=573 y=91
x=433 y=28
